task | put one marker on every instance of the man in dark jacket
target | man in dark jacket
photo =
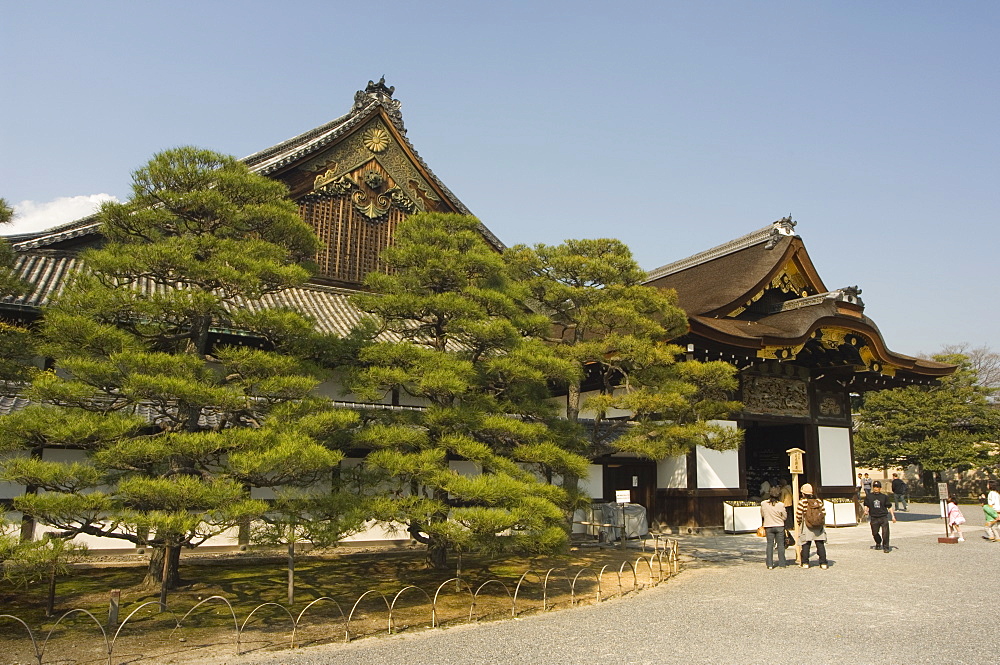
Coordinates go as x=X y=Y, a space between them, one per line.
x=878 y=508
x=898 y=492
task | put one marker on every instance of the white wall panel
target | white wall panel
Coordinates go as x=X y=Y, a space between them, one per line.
x=10 y=490
x=718 y=469
x=672 y=472
x=835 y=464
x=593 y=484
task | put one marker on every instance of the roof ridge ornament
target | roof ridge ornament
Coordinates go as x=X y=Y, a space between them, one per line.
x=782 y=227
x=382 y=94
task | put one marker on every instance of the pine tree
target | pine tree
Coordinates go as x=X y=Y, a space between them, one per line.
x=17 y=344
x=456 y=338
x=175 y=432
x=951 y=425
x=616 y=332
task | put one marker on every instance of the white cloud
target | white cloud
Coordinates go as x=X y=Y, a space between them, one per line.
x=32 y=216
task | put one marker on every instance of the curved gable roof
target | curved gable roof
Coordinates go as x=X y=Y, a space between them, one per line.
x=720 y=279
x=714 y=286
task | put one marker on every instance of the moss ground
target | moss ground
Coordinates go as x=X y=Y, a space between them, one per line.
x=259 y=581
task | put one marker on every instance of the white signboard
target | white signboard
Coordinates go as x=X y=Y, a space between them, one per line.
x=623 y=496
x=943 y=490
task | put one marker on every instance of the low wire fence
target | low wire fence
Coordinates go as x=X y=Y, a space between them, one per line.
x=153 y=625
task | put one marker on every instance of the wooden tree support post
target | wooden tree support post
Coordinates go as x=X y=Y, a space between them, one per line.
x=167 y=553
x=114 y=603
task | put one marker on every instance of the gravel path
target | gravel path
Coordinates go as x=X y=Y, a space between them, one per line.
x=922 y=603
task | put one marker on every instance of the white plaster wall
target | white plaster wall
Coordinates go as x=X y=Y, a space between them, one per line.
x=672 y=472
x=375 y=531
x=228 y=538
x=63 y=455
x=560 y=404
x=593 y=484
x=589 y=413
x=835 y=464
x=10 y=490
x=464 y=468
x=718 y=469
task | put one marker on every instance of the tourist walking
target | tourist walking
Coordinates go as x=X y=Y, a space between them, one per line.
x=772 y=515
x=858 y=498
x=811 y=516
x=992 y=519
x=899 y=490
x=955 y=519
x=878 y=508
x=866 y=484
x=993 y=498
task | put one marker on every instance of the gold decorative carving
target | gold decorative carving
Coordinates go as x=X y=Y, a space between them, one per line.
x=833 y=338
x=783 y=396
x=779 y=352
x=351 y=154
x=331 y=183
x=370 y=192
x=788 y=280
x=371 y=205
x=376 y=139
x=831 y=405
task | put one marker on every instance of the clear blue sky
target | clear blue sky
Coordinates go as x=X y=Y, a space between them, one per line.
x=674 y=126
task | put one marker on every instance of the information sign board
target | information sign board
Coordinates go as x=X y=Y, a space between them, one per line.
x=623 y=496
x=942 y=490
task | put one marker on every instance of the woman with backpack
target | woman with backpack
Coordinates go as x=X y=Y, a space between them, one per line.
x=811 y=517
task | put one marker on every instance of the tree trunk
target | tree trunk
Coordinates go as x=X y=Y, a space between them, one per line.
x=573 y=401
x=165 y=577
x=154 y=575
x=437 y=556
x=928 y=481
x=50 y=602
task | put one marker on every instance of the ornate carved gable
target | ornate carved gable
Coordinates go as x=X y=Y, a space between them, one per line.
x=356 y=192
x=355 y=179
x=374 y=169
x=794 y=279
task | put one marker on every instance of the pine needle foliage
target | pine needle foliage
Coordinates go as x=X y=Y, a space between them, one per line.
x=175 y=430
x=17 y=343
x=616 y=333
x=468 y=352
x=951 y=425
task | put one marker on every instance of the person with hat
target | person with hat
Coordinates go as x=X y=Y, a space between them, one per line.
x=808 y=504
x=878 y=507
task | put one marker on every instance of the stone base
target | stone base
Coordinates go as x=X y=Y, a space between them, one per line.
x=948 y=539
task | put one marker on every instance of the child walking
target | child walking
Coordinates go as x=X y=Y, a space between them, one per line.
x=992 y=519
x=955 y=519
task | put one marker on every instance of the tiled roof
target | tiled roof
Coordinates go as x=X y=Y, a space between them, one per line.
x=75 y=229
x=330 y=307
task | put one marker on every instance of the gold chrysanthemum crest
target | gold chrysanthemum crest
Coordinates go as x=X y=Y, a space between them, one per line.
x=376 y=139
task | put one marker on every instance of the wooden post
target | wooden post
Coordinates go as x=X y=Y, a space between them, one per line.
x=50 y=602
x=796 y=468
x=116 y=595
x=291 y=566
x=167 y=552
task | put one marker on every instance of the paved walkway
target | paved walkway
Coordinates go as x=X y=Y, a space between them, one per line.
x=922 y=603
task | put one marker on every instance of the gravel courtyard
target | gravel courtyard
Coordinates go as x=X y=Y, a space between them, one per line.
x=924 y=602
